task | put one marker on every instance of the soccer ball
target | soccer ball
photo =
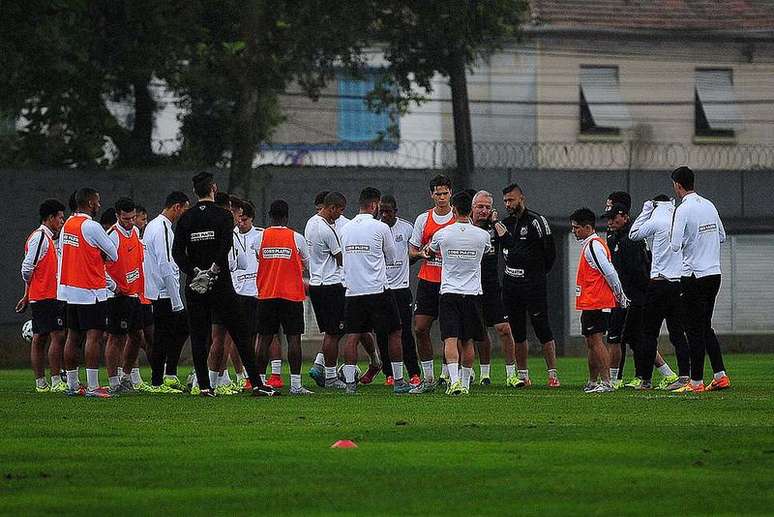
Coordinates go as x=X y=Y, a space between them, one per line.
x=27 y=331
x=340 y=373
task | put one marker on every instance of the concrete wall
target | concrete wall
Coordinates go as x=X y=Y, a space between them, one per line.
x=741 y=197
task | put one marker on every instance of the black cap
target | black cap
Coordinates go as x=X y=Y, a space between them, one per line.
x=614 y=210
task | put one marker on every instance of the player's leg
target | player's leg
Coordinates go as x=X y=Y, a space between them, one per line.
x=384 y=355
x=508 y=347
x=368 y=342
x=632 y=336
x=693 y=307
x=93 y=320
x=234 y=321
x=451 y=322
x=466 y=361
x=72 y=353
x=537 y=307
x=216 y=357
x=405 y=302
x=162 y=338
x=56 y=345
x=37 y=360
x=670 y=299
x=484 y=358
x=451 y=351
x=293 y=328
x=384 y=317
x=350 y=362
x=179 y=336
x=200 y=328
x=517 y=318
x=652 y=317
x=425 y=313
x=720 y=380
x=614 y=345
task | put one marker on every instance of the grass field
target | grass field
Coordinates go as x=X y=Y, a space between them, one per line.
x=493 y=452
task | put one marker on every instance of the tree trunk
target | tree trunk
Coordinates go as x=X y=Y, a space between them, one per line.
x=463 y=137
x=137 y=149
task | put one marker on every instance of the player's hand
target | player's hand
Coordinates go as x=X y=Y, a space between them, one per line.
x=177 y=308
x=201 y=282
x=623 y=301
x=493 y=217
x=426 y=253
x=22 y=305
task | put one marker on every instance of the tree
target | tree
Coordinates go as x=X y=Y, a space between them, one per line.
x=445 y=37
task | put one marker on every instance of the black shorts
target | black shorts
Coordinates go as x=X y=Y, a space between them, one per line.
x=522 y=299
x=250 y=311
x=372 y=312
x=124 y=314
x=47 y=316
x=147 y=315
x=460 y=317
x=86 y=317
x=328 y=304
x=166 y=322
x=275 y=312
x=216 y=315
x=492 y=306
x=428 y=294
x=616 y=328
x=594 y=322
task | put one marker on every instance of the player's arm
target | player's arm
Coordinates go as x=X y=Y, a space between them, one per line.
x=160 y=250
x=678 y=229
x=303 y=249
x=597 y=258
x=643 y=227
x=36 y=250
x=547 y=239
x=331 y=241
x=96 y=236
x=416 y=250
x=180 y=248
x=721 y=230
x=388 y=246
x=504 y=235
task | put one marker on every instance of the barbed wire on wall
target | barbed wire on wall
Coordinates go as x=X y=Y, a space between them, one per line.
x=524 y=155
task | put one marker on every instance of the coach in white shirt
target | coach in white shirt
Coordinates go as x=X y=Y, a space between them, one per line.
x=461 y=247
x=162 y=288
x=698 y=232
x=369 y=247
x=662 y=296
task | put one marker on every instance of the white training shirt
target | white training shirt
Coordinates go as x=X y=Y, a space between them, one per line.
x=368 y=247
x=698 y=231
x=419 y=225
x=303 y=250
x=162 y=276
x=37 y=247
x=244 y=279
x=655 y=223
x=96 y=236
x=398 y=272
x=323 y=242
x=461 y=246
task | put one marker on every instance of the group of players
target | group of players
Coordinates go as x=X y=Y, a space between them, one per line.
x=117 y=281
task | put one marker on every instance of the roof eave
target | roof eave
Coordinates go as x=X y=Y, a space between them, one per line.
x=761 y=35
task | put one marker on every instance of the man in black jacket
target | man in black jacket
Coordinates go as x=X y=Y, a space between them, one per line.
x=203 y=240
x=529 y=251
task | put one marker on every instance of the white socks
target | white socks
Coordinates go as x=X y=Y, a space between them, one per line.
x=397 y=370
x=665 y=370
x=552 y=373
x=213 y=378
x=92 y=378
x=523 y=374
x=427 y=370
x=485 y=370
x=319 y=360
x=72 y=379
x=55 y=380
x=467 y=373
x=41 y=382
x=613 y=374
x=295 y=380
x=330 y=372
x=719 y=375
x=276 y=367
x=349 y=373
x=510 y=370
x=135 y=376
x=114 y=381
x=454 y=372
x=444 y=370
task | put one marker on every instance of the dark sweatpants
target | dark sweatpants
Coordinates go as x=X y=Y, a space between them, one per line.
x=170 y=331
x=662 y=302
x=698 y=303
x=405 y=304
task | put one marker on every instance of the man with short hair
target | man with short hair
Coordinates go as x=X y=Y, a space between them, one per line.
x=461 y=246
x=125 y=319
x=162 y=288
x=398 y=286
x=368 y=246
x=39 y=270
x=326 y=290
x=485 y=217
x=203 y=240
x=82 y=284
x=529 y=251
x=662 y=297
x=597 y=290
x=141 y=219
x=698 y=232
x=282 y=255
x=429 y=284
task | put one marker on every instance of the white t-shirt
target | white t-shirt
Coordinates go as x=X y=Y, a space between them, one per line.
x=419 y=225
x=368 y=248
x=398 y=273
x=461 y=246
x=244 y=278
x=323 y=242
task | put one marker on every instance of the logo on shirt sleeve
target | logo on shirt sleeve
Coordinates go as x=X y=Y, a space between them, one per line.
x=705 y=228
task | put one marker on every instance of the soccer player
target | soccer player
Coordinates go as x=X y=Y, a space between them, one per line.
x=282 y=255
x=83 y=285
x=326 y=290
x=494 y=313
x=461 y=247
x=203 y=240
x=662 y=297
x=368 y=246
x=597 y=290
x=39 y=270
x=162 y=288
x=529 y=251
x=398 y=286
x=698 y=232
x=141 y=219
x=124 y=308
x=429 y=284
